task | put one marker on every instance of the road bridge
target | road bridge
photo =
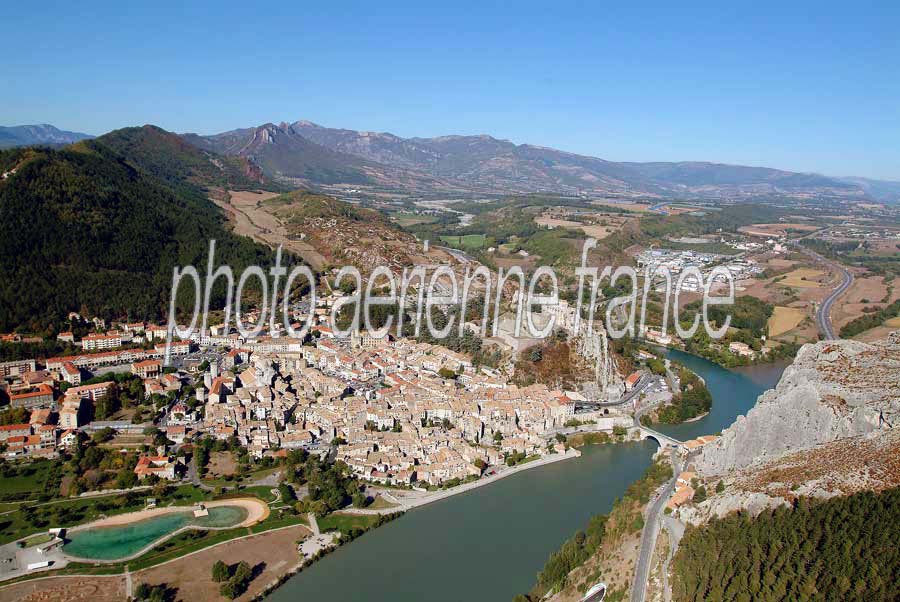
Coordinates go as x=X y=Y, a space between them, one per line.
x=660 y=438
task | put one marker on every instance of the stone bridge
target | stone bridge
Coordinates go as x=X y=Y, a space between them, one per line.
x=660 y=439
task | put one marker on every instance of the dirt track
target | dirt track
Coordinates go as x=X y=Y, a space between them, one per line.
x=249 y=219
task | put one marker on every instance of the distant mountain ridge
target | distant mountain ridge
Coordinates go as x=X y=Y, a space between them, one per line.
x=28 y=135
x=482 y=164
x=282 y=153
x=886 y=191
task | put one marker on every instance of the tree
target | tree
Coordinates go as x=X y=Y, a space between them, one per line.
x=447 y=373
x=220 y=572
x=700 y=494
x=229 y=590
x=103 y=435
x=142 y=591
x=720 y=486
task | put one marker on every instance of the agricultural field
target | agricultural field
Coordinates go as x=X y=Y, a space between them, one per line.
x=597 y=226
x=779 y=229
x=784 y=319
x=893 y=322
x=406 y=220
x=868 y=293
x=627 y=206
x=803 y=278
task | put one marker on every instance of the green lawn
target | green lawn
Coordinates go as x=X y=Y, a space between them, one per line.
x=36 y=540
x=345 y=522
x=469 y=241
x=29 y=479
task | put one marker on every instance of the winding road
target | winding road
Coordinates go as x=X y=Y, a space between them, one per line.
x=823 y=313
x=648 y=535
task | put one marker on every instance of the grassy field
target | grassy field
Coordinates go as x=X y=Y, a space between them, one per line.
x=379 y=503
x=469 y=241
x=345 y=522
x=31 y=478
x=784 y=319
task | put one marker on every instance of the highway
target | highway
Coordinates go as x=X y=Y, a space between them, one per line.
x=823 y=313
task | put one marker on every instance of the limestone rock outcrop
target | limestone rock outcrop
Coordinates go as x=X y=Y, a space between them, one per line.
x=833 y=390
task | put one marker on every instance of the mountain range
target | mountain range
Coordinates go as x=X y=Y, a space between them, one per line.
x=304 y=154
x=315 y=155
x=44 y=134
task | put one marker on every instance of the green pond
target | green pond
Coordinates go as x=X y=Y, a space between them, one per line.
x=122 y=541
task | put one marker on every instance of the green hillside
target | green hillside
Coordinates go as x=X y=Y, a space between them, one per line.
x=84 y=229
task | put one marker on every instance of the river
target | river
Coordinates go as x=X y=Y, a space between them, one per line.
x=488 y=544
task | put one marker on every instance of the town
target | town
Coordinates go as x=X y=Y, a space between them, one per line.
x=398 y=412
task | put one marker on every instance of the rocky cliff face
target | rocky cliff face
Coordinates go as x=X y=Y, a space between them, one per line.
x=833 y=390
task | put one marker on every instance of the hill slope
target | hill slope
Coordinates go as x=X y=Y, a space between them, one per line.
x=170 y=158
x=327 y=232
x=83 y=229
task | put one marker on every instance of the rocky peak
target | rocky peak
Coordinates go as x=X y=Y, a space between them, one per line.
x=833 y=390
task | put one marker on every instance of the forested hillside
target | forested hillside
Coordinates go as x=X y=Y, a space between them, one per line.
x=84 y=229
x=844 y=549
x=168 y=157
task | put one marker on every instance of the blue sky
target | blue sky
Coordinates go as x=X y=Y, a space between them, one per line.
x=808 y=86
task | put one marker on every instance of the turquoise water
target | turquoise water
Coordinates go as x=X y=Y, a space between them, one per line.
x=488 y=544
x=734 y=392
x=121 y=541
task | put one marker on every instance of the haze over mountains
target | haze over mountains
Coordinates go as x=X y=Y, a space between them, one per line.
x=304 y=154
x=28 y=135
x=486 y=165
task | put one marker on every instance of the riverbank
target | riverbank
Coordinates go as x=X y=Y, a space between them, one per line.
x=409 y=500
x=608 y=547
x=696 y=418
x=497 y=536
x=733 y=392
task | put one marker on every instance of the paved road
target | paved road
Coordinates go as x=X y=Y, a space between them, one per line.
x=460 y=256
x=648 y=536
x=644 y=382
x=823 y=313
